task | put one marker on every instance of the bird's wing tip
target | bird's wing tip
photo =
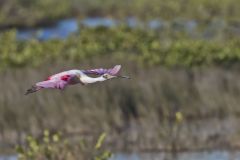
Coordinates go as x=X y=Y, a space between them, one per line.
x=115 y=69
x=118 y=66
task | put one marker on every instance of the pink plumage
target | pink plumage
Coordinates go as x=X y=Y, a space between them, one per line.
x=71 y=77
x=57 y=83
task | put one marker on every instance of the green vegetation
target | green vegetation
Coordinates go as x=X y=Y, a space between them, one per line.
x=54 y=147
x=179 y=83
x=145 y=47
x=32 y=12
x=175 y=79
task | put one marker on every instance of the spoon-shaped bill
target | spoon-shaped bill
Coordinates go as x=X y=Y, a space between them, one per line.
x=123 y=77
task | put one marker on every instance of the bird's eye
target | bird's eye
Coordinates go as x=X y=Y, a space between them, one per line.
x=105 y=76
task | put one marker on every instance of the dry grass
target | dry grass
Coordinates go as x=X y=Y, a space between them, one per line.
x=139 y=112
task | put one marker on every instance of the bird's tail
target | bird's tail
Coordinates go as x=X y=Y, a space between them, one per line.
x=33 y=89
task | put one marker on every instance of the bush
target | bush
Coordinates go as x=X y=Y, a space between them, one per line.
x=146 y=47
x=55 y=147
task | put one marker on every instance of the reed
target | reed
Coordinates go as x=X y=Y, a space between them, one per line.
x=140 y=111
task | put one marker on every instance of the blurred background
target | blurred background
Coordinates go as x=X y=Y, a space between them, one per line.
x=183 y=56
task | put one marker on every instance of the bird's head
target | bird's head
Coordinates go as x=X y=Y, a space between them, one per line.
x=108 y=76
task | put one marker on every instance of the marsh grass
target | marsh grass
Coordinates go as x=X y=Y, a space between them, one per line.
x=138 y=113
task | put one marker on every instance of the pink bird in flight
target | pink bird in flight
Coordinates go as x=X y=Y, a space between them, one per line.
x=71 y=77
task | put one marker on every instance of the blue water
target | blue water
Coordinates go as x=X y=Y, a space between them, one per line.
x=99 y=21
x=8 y=157
x=214 y=155
x=67 y=27
x=60 y=30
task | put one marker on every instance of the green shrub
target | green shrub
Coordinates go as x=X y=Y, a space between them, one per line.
x=55 y=147
x=146 y=47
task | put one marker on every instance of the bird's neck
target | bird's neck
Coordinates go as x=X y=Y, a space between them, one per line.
x=87 y=79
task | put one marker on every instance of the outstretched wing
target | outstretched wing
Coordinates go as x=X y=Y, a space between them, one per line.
x=58 y=83
x=101 y=71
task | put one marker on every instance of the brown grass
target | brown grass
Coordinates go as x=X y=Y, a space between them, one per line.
x=138 y=113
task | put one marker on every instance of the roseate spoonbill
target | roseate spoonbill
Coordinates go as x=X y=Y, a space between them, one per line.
x=71 y=77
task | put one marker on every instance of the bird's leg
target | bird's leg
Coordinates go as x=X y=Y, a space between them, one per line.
x=32 y=90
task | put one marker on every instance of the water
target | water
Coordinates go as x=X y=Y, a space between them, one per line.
x=60 y=30
x=67 y=27
x=11 y=157
x=214 y=155
x=98 y=21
